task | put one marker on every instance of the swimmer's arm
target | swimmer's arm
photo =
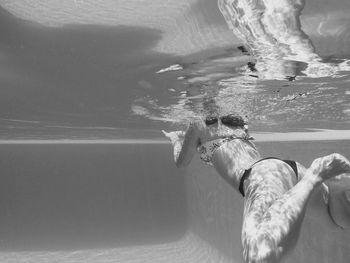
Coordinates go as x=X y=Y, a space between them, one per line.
x=184 y=148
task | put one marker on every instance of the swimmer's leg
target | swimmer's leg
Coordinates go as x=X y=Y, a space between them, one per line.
x=271 y=229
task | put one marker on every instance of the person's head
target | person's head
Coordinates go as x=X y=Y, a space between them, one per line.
x=227 y=125
x=244 y=150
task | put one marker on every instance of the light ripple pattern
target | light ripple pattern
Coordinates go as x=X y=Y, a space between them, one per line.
x=190 y=249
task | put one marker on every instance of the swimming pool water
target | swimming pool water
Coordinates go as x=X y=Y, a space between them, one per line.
x=86 y=87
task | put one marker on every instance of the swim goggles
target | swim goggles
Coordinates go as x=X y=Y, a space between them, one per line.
x=228 y=120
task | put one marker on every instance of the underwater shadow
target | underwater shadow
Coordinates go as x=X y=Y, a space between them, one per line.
x=89 y=71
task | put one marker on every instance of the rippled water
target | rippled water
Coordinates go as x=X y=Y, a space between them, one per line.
x=225 y=84
x=276 y=79
x=70 y=75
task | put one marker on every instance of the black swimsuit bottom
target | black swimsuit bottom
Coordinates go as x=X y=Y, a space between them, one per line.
x=292 y=164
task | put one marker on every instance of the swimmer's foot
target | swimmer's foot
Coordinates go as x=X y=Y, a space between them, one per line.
x=330 y=166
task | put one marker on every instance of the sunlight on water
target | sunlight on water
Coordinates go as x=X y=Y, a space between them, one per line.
x=272 y=32
x=215 y=87
x=275 y=79
x=143 y=69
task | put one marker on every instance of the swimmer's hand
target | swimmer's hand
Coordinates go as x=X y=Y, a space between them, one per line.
x=185 y=143
x=174 y=136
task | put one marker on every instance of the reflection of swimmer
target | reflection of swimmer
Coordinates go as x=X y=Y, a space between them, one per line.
x=271 y=32
x=275 y=191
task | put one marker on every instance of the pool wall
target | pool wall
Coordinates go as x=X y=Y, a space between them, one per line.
x=127 y=196
x=55 y=197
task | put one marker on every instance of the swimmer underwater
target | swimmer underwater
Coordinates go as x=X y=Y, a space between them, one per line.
x=275 y=191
